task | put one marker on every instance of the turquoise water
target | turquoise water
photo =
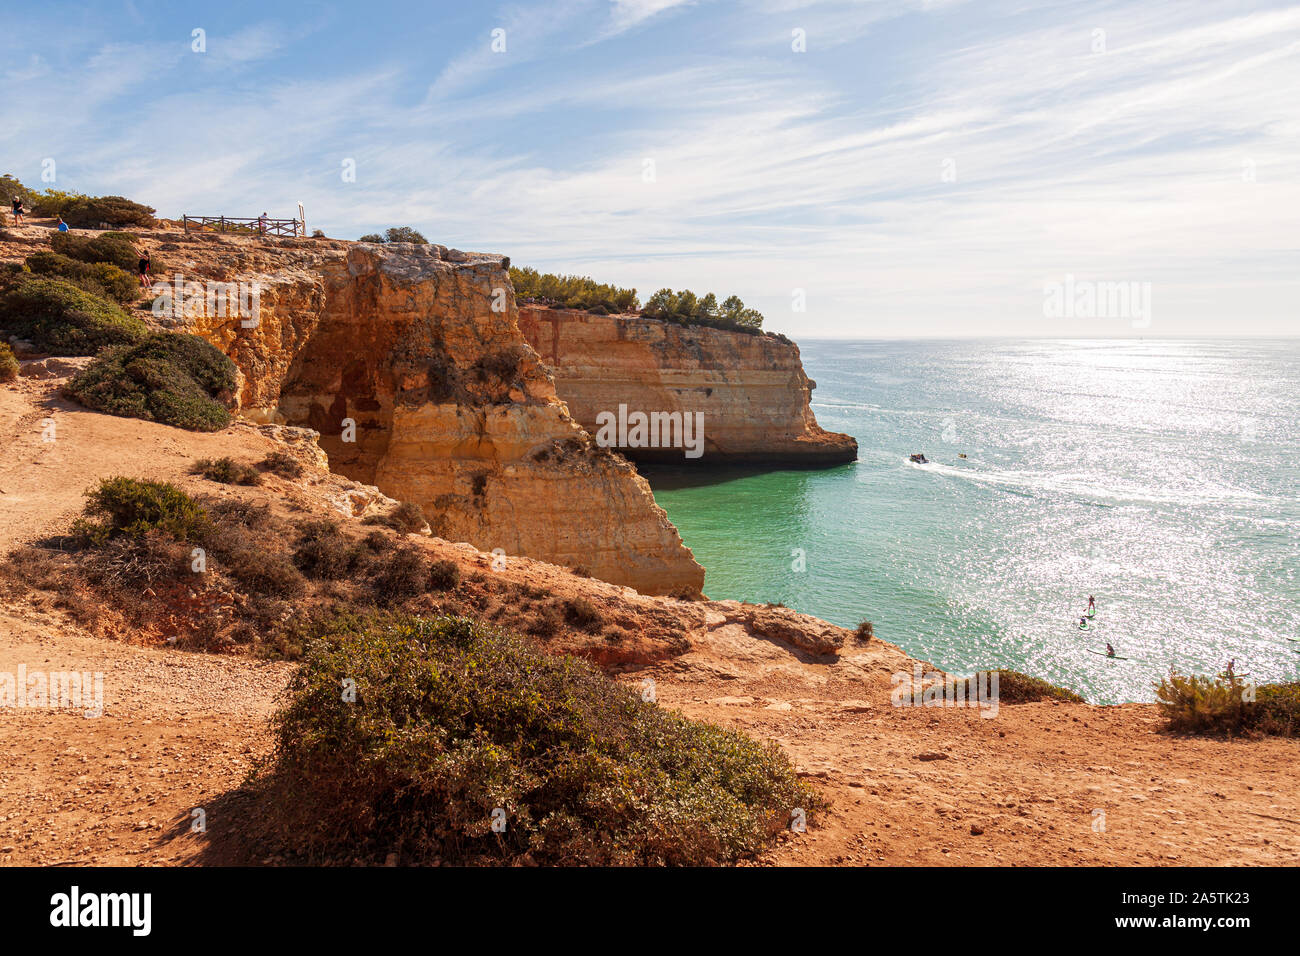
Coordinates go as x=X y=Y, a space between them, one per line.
x=1159 y=476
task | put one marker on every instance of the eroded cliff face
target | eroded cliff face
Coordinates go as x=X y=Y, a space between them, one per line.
x=418 y=385
x=751 y=389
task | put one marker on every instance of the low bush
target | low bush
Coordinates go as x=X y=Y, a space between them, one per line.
x=444 y=575
x=283 y=464
x=377 y=542
x=264 y=572
x=8 y=363
x=129 y=562
x=324 y=552
x=1228 y=706
x=131 y=507
x=864 y=632
x=58 y=317
x=93 y=212
x=1017 y=688
x=547 y=621
x=227 y=471
x=99 y=278
x=452 y=720
x=399 y=575
x=168 y=377
x=582 y=613
x=407 y=518
x=115 y=248
x=396 y=234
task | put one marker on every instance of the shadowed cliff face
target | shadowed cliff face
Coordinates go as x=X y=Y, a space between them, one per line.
x=416 y=376
x=750 y=390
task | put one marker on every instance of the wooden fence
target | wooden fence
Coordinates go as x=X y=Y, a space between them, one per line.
x=258 y=225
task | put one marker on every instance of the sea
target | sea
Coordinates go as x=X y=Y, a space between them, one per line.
x=1160 y=477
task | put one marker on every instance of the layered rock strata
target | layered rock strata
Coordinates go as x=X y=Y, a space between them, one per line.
x=749 y=391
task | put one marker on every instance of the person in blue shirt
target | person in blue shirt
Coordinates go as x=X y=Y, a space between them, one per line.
x=63 y=226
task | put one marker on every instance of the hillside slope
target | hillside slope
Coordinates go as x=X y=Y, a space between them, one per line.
x=908 y=785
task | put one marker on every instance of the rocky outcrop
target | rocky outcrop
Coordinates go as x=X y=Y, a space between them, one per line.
x=409 y=363
x=751 y=389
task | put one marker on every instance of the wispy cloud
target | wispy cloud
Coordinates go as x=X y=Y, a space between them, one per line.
x=922 y=168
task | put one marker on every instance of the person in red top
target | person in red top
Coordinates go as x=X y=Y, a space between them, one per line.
x=1092 y=605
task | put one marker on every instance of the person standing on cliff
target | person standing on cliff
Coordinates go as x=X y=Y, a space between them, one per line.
x=18 y=210
x=144 y=268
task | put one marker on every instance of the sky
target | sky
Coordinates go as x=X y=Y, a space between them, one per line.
x=859 y=169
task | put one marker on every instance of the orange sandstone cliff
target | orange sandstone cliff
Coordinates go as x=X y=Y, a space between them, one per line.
x=751 y=389
x=409 y=361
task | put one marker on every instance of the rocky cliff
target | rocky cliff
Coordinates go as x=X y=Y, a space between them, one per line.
x=409 y=361
x=750 y=389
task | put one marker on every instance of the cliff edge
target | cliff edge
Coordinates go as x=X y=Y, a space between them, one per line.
x=751 y=390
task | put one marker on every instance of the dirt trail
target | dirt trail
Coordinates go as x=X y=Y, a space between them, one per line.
x=908 y=785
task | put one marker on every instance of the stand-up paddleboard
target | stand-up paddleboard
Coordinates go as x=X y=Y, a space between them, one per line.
x=1228 y=676
x=1091 y=612
x=1104 y=654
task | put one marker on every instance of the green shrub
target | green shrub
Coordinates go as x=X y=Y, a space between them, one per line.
x=1276 y=709
x=1222 y=705
x=169 y=377
x=571 y=292
x=11 y=187
x=115 y=248
x=99 y=278
x=59 y=318
x=283 y=464
x=227 y=471
x=8 y=363
x=1017 y=688
x=92 y=212
x=396 y=234
x=132 y=507
x=452 y=720
x=55 y=202
x=444 y=575
x=685 y=308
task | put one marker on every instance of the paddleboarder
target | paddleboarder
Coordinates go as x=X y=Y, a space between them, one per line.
x=1110 y=651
